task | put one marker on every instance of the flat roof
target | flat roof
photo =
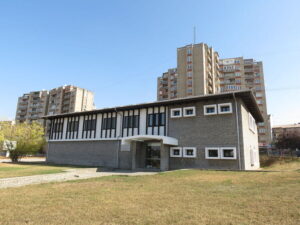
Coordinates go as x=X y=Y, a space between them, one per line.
x=287 y=126
x=247 y=97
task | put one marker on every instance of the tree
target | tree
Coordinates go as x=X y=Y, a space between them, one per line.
x=29 y=139
x=288 y=142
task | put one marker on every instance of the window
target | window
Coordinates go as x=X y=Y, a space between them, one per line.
x=189 y=51
x=109 y=123
x=259 y=101
x=225 y=108
x=189 y=90
x=189 y=66
x=210 y=109
x=72 y=126
x=189 y=73
x=175 y=113
x=228 y=153
x=175 y=152
x=262 y=130
x=156 y=119
x=212 y=153
x=189 y=82
x=251 y=123
x=58 y=127
x=189 y=111
x=89 y=125
x=189 y=152
x=258 y=94
x=131 y=121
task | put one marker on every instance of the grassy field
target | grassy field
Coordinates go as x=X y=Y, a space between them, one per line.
x=178 y=197
x=27 y=169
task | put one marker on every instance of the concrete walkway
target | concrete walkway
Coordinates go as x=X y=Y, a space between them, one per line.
x=27 y=159
x=71 y=174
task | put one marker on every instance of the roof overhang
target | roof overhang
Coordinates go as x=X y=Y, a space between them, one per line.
x=165 y=139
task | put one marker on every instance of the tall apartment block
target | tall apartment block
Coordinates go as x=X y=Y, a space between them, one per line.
x=34 y=105
x=197 y=73
x=241 y=74
x=69 y=99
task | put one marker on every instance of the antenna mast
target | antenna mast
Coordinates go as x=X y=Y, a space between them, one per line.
x=194 y=34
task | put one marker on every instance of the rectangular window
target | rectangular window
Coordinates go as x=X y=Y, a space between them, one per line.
x=72 y=126
x=251 y=123
x=58 y=127
x=89 y=125
x=210 y=109
x=225 y=108
x=212 y=153
x=131 y=121
x=189 y=152
x=176 y=113
x=156 y=119
x=189 y=111
x=175 y=152
x=228 y=153
x=109 y=123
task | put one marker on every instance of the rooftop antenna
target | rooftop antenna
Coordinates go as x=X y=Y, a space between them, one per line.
x=194 y=34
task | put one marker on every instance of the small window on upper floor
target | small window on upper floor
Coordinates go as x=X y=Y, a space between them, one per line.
x=225 y=108
x=189 y=111
x=210 y=109
x=175 y=113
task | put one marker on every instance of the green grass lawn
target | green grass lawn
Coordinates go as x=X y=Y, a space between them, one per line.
x=178 y=197
x=27 y=169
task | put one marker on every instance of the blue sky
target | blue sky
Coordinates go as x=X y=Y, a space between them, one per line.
x=118 y=48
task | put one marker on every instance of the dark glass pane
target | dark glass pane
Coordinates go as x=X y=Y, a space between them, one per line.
x=225 y=109
x=213 y=153
x=162 y=119
x=190 y=152
x=228 y=153
x=210 y=110
x=189 y=111
x=150 y=120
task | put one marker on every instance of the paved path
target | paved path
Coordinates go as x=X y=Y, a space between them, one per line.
x=29 y=159
x=70 y=174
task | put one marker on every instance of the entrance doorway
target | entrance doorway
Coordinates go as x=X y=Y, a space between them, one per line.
x=153 y=156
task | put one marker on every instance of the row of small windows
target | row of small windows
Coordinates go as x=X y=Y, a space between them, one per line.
x=210 y=152
x=187 y=112
x=186 y=152
x=224 y=108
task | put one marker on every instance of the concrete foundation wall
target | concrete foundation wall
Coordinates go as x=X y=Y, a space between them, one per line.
x=89 y=153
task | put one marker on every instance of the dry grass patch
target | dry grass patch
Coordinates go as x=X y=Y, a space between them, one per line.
x=28 y=169
x=178 y=197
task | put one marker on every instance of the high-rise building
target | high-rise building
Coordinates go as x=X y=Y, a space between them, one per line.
x=197 y=73
x=34 y=105
x=242 y=74
x=69 y=98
